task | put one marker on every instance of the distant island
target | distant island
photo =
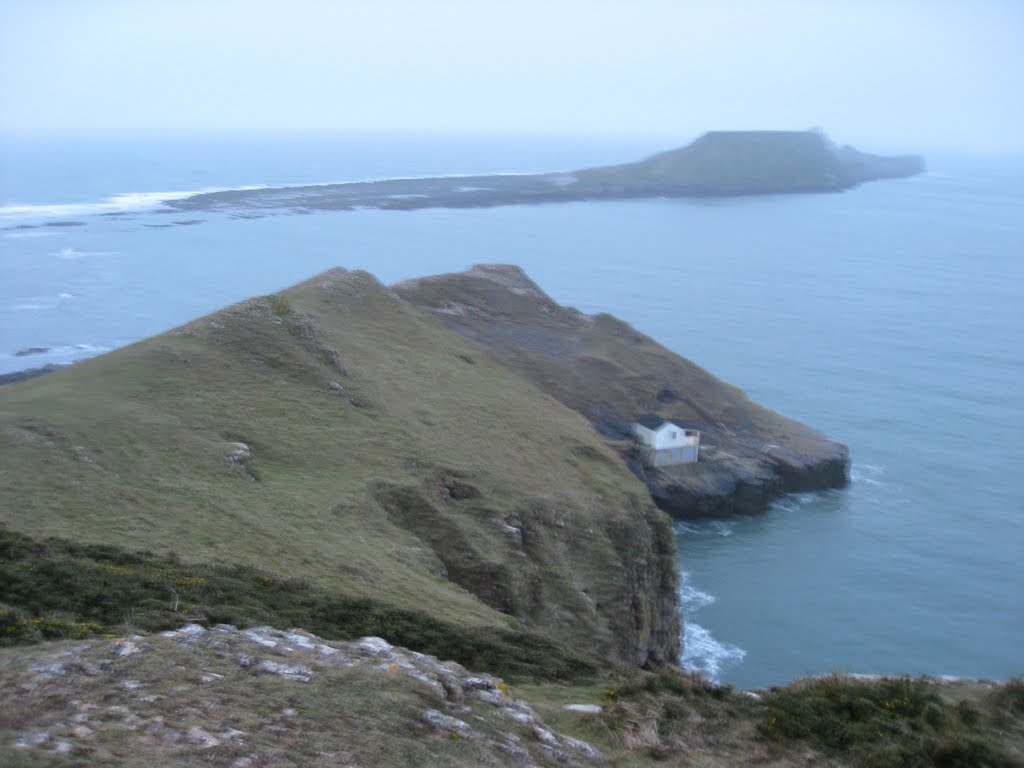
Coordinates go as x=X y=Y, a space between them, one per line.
x=718 y=164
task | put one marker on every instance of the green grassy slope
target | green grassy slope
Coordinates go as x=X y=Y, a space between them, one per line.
x=388 y=459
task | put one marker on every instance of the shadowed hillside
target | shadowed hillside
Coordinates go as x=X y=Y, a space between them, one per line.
x=611 y=373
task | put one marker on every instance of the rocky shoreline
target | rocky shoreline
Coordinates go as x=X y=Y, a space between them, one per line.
x=27 y=373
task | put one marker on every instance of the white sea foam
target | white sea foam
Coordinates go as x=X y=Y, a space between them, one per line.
x=117 y=204
x=70 y=254
x=707 y=528
x=722 y=527
x=867 y=473
x=795 y=501
x=125 y=202
x=97 y=348
x=703 y=653
x=31 y=233
x=64 y=351
x=693 y=599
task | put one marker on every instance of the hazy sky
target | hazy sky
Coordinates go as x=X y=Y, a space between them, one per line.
x=914 y=75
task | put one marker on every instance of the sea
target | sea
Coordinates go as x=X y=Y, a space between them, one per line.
x=890 y=317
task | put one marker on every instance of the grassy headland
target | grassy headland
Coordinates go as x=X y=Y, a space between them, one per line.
x=335 y=434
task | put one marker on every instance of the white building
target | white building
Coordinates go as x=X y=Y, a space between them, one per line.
x=663 y=442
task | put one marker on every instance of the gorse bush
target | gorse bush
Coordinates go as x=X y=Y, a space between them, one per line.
x=280 y=306
x=838 y=711
x=897 y=722
x=56 y=589
x=1011 y=697
x=884 y=723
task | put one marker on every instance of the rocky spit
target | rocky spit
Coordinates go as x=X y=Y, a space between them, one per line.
x=247 y=698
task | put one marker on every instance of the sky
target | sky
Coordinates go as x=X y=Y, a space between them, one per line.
x=913 y=75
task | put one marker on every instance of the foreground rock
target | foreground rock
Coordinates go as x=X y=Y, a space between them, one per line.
x=720 y=163
x=611 y=373
x=264 y=697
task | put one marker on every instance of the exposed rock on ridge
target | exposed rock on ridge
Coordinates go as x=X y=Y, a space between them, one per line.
x=260 y=697
x=611 y=373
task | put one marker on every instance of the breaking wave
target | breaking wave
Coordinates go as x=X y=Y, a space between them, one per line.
x=127 y=202
x=124 y=203
x=707 y=528
x=71 y=254
x=691 y=598
x=703 y=653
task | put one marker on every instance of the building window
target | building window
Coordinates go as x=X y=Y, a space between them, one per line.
x=673 y=435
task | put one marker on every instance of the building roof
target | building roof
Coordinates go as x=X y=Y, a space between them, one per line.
x=650 y=420
x=655 y=422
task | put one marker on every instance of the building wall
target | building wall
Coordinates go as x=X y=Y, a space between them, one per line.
x=643 y=434
x=686 y=454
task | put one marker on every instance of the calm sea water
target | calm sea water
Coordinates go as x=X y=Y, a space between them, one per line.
x=890 y=317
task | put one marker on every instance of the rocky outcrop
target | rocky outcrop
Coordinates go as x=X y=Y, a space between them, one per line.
x=28 y=373
x=261 y=696
x=611 y=373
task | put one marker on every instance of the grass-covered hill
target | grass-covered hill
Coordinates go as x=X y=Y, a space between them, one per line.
x=336 y=434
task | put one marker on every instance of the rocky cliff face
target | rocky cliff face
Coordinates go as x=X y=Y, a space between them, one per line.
x=610 y=373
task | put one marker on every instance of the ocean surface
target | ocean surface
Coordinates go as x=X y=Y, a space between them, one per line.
x=890 y=317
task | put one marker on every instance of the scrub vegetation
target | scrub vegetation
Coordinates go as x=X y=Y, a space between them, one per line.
x=57 y=589
x=674 y=718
